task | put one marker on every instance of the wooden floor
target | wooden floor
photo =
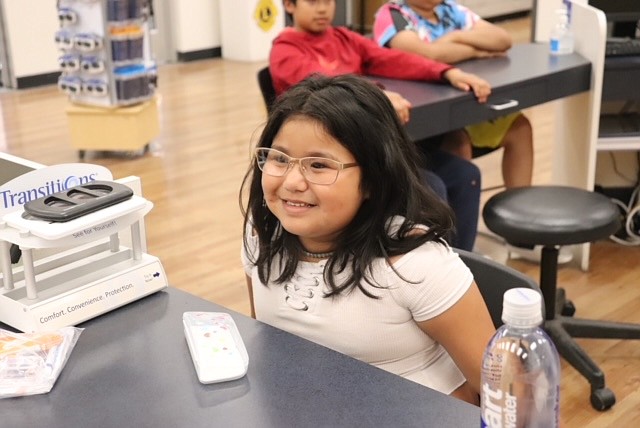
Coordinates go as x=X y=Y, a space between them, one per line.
x=210 y=113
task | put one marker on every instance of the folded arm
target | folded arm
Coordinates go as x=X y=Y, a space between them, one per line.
x=448 y=52
x=483 y=35
x=484 y=40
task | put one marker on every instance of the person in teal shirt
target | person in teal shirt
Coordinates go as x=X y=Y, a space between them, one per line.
x=448 y=32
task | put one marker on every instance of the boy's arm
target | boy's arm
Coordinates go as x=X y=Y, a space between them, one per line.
x=400 y=104
x=482 y=41
x=396 y=64
x=483 y=35
x=290 y=64
x=443 y=51
x=468 y=82
x=479 y=39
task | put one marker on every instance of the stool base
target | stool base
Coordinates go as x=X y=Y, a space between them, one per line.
x=563 y=329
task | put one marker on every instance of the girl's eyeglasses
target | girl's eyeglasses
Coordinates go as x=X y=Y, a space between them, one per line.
x=314 y=169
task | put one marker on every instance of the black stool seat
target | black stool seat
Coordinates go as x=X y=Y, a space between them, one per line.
x=551 y=216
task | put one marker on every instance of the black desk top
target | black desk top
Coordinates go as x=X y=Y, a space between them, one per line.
x=132 y=368
x=528 y=74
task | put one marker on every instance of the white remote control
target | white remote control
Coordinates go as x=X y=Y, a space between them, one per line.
x=216 y=346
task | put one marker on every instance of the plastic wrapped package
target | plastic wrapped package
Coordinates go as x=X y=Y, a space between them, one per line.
x=31 y=362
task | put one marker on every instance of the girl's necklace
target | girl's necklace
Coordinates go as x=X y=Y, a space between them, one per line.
x=317 y=255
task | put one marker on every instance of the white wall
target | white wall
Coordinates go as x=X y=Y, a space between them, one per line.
x=31 y=26
x=30 y=29
x=195 y=24
x=243 y=38
x=489 y=8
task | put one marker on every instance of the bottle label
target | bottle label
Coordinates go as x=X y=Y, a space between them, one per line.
x=499 y=403
x=516 y=390
x=500 y=408
x=555 y=45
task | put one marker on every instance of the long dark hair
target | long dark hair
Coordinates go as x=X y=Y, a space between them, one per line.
x=360 y=116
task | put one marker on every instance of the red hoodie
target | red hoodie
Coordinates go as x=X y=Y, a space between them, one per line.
x=296 y=54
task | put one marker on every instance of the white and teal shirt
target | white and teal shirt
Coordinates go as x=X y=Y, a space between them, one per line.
x=396 y=16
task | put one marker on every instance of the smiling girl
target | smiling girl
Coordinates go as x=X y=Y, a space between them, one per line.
x=345 y=247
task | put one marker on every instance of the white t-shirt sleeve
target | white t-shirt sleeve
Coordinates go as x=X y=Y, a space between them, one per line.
x=438 y=278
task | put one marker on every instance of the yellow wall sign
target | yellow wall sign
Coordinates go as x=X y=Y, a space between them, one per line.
x=265 y=15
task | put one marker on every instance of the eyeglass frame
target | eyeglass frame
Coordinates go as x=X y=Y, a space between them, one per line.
x=341 y=165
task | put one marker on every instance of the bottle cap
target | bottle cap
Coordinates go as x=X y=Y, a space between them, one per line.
x=562 y=15
x=521 y=307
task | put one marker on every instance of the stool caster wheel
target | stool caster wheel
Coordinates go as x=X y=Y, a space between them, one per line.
x=568 y=309
x=563 y=306
x=602 y=399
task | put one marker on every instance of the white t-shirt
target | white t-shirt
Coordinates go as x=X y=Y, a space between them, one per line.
x=383 y=331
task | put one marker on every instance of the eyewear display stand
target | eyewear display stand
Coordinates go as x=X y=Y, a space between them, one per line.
x=108 y=74
x=105 y=52
x=88 y=271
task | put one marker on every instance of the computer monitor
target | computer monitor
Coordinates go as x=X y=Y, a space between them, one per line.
x=623 y=16
x=618 y=10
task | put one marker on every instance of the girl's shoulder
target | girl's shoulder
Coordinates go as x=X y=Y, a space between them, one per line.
x=433 y=250
x=431 y=253
x=428 y=279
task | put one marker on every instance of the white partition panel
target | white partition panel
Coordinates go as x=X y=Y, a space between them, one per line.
x=577 y=117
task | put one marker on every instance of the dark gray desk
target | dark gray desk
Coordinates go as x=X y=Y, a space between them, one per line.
x=132 y=368
x=528 y=74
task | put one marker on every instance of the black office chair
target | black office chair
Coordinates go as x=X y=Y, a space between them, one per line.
x=493 y=280
x=266 y=87
x=552 y=216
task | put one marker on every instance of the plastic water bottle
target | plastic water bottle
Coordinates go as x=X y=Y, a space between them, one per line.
x=521 y=368
x=561 y=38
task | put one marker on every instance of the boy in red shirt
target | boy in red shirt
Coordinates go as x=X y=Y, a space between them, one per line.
x=313 y=45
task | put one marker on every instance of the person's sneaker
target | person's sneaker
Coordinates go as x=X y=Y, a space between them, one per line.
x=535 y=254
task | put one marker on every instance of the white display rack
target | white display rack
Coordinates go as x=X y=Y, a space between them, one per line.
x=86 y=269
x=105 y=52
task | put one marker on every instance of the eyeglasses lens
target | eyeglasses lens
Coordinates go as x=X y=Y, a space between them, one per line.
x=314 y=169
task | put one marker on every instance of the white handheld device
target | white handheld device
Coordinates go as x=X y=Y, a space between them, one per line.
x=216 y=346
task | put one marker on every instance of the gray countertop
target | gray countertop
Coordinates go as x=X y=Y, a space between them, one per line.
x=132 y=368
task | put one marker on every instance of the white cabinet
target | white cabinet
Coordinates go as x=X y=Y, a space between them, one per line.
x=27 y=26
x=491 y=8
